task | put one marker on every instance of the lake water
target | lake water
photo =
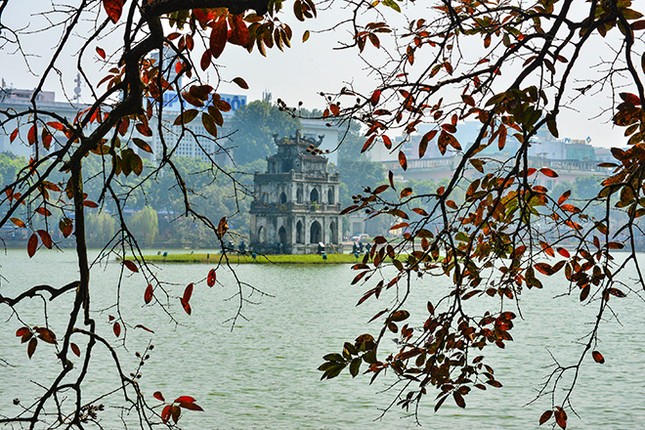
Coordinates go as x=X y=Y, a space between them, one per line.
x=262 y=375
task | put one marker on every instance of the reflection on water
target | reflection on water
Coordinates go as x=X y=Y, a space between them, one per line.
x=263 y=374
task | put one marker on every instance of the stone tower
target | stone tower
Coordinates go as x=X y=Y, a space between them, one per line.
x=296 y=204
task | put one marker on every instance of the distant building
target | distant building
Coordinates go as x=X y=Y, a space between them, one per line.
x=296 y=204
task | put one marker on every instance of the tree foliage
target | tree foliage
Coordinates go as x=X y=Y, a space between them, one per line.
x=93 y=163
x=254 y=127
x=512 y=67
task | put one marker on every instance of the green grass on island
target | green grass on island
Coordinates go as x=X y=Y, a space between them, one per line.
x=235 y=258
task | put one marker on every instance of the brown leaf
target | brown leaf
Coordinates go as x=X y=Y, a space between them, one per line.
x=75 y=349
x=241 y=83
x=218 y=37
x=131 y=266
x=186 y=116
x=597 y=357
x=546 y=416
x=31 y=347
x=561 y=417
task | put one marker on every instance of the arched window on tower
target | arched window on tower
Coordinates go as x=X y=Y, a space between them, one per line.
x=299 y=233
x=330 y=196
x=313 y=196
x=315 y=232
x=283 y=198
x=299 y=195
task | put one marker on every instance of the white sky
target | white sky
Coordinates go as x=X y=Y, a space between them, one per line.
x=297 y=74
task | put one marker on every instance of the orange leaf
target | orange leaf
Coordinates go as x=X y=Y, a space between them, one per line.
x=403 y=161
x=548 y=172
x=18 y=222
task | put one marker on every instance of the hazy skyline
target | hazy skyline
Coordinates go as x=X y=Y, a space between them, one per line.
x=299 y=73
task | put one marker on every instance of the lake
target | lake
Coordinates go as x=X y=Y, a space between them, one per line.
x=262 y=375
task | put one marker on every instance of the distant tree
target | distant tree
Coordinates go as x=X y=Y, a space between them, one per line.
x=254 y=127
x=101 y=227
x=146 y=223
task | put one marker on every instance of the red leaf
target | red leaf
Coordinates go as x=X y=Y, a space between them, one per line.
x=32 y=244
x=191 y=406
x=13 y=135
x=90 y=204
x=376 y=95
x=597 y=357
x=548 y=172
x=147 y=296
x=22 y=331
x=218 y=37
x=113 y=9
x=131 y=266
x=188 y=292
x=32 y=134
x=165 y=413
x=186 y=306
x=211 y=279
x=45 y=238
x=75 y=349
x=116 y=328
x=101 y=52
x=157 y=395
x=184 y=399
x=564 y=197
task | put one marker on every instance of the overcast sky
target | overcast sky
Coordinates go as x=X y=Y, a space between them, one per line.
x=297 y=74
